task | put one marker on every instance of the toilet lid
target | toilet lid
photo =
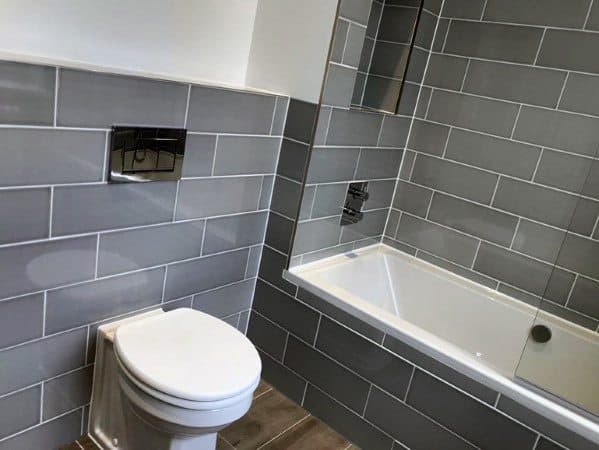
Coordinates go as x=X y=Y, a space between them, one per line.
x=188 y=354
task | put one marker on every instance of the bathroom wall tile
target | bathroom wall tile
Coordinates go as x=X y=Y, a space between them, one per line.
x=44 y=156
x=307 y=200
x=227 y=300
x=48 y=435
x=21 y=319
x=229 y=111
x=389 y=29
x=30 y=363
x=538 y=240
x=27 y=94
x=446 y=243
x=168 y=306
x=286 y=196
x=237 y=155
x=426 y=30
x=428 y=137
x=266 y=191
x=286 y=311
x=350 y=127
x=19 y=411
x=581 y=94
x=67 y=392
x=555 y=129
x=421 y=107
x=407 y=164
x=373 y=19
x=332 y=164
x=326 y=374
x=380 y=194
x=392 y=223
x=493 y=41
x=199 y=155
x=300 y=120
x=394 y=132
x=34 y=267
x=339 y=40
x=351 y=425
x=244 y=318
x=569 y=315
x=123 y=251
x=82 y=209
x=89 y=302
x=339 y=86
x=357 y=10
x=280 y=115
x=379 y=93
x=593 y=20
x=217 y=196
x=442 y=29
x=25 y=214
x=476 y=422
x=328 y=200
x=473 y=219
x=463 y=9
x=371 y=225
x=378 y=163
x=388 y=60
x=353 y=45
x=408 y=99
x=267 y=336
x=563 y=170
x=228 y=233
x=417 y=66
x=591 y=185
x=93 y=99
x=433 y=6
x=463 y=181
x=487 y=152
x=199 y=275
x=445 y=71
x=458 y=270
x=279 y=232
x=363 y=357
x=584 y=217
x=287 y=382
x=584 y=297
x=407 y=425
x=552 y=13
x=292 y=160
x=516 y=83
x=272 y=265
x=316 y=234
x=475 y=113
x=535 y=202
x=580 y=255
x=567 y=49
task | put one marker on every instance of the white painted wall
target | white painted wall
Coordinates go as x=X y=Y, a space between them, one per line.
x=290 y=46
x=196 y=40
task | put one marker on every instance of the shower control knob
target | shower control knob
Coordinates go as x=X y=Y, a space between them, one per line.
x=540 y=333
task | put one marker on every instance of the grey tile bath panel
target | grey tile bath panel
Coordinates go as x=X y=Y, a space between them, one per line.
x=353 y=46
x=45 y=156
x=217 y=196
x=92 y=99
x=474 y=219
x=538 y=240
x=280 y=114
x=535 y=202
x=339 y=40
x=228 y=233
x=286 y=311
x=397 y=24
x=67 y=392
x=21 y=319
x=355 y=128
x=463 y=9
x=522 y=84
x=555 y=129
x=357 y=10
x=292 y=160
x=496 y=154
x=437 y=240
x=428 y=137
x=351 y=425
x=228 y=111
x=395 y=131
x=549 y=13
x=316 y=234
x=563 y=170
x=52 y=434
x=34 y=267
x=287 y=382
x=326 y=374
x=475 y=113
x=446 y=71
x=456 y=179
x=380 y=194
x=409 y=426
x=286 y=196
x=517 y=270
x=25 y=214
x=267 y=336
x=279 y=232
x=300 y=120
x=493 y=41
x=90 y=302
x=581 y=94
x=272 y=265
x=365 y=358
x=29 y=363
x=371 y=225
x=27 y=94
x=199 y=155
x=339 y=86
x=82 y=209
x=123 y=251
x=580 y=255
x=458 y=270
x=237 y=155
x=19 y=411
x=227 y=300
x=584 y=297
x=332 y=164
x=567 y=49
x=329 y=200
x=202 y=274
x=412 y=198
x=378 y=163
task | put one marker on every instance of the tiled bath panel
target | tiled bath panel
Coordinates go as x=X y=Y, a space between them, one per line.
x=76 y=252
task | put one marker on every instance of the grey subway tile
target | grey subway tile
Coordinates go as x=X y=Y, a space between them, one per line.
x=568 y=49
x=564 y=171
x=272 y=265
x=421 y=107
x=371 y=225
x=301 y=117
x=355 y=128
x=395 y=131
x=21 y=319
x=380 y=194
x=554 y=13
x=93 y=99
x=227 y=300
x=292 y=160
x=389 y=60
x=580 y=255
x=442 y=30
x=199 y=155
x=463 y=9
x=316 y=234
x=392 y=223
x=307 y=200
x=25 y=214
x=397 y=24
x=357 y=10
x=322 y=124
x=332 y=164
x=581 y=94
x=381 y=93
x=45 y=156
x=286 y=196
x=280 y=114
x=408 y=99
x=244 y=318
x=339 y=86
x=538 y=240
x=267 y=336
x=426 y=30
x=19 y=411
x=593 y=21
x=428 y=137
x=67 y=392
x=237 y=155
x=266 y=191
x=446 y=71
x=83 y=209
x=328 y=200
x=51 y=434
x=407 y=164
x=373 y=19
x=584 y=217
x=412 y=198
x=353 y=45
x=378 y=163
x=458 y=270
x=287 y=382
x=584 y=297
x=228 y=233
x=170 y=306
x=339 y=40
x=278 y=232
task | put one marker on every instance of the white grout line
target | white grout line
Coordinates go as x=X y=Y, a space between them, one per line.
x=405 y=397
x=516 y=122
x=571 y=290
x=586 y=19
x=465 y=75
x=97 y=257
x=479 y=243
x=515 y=233
x=186 y=116
x=446 y=34
x=41 y=419
x=44 y=308
x=368 y=396
x=540 y=46
x=482 y=14
x=56 y=85
x=534 y=173
x=51 y=212
x=345 y=39
x=561 y=93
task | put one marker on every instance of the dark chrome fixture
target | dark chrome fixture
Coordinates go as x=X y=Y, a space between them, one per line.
x=357 y=194
x=540 y=333
x=140 y=154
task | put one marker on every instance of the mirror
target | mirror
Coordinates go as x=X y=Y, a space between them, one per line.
x=385 y=55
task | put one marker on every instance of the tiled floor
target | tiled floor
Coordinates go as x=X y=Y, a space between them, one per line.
x=274 y=422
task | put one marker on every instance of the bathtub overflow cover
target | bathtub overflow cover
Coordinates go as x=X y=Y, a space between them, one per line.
x=540 y=333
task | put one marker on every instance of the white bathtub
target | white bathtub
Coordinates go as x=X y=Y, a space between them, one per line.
x=473 y=329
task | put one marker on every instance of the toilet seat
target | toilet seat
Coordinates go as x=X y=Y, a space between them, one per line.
x=188 y=359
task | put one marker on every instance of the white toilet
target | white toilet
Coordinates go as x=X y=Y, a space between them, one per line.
x=170 y=381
